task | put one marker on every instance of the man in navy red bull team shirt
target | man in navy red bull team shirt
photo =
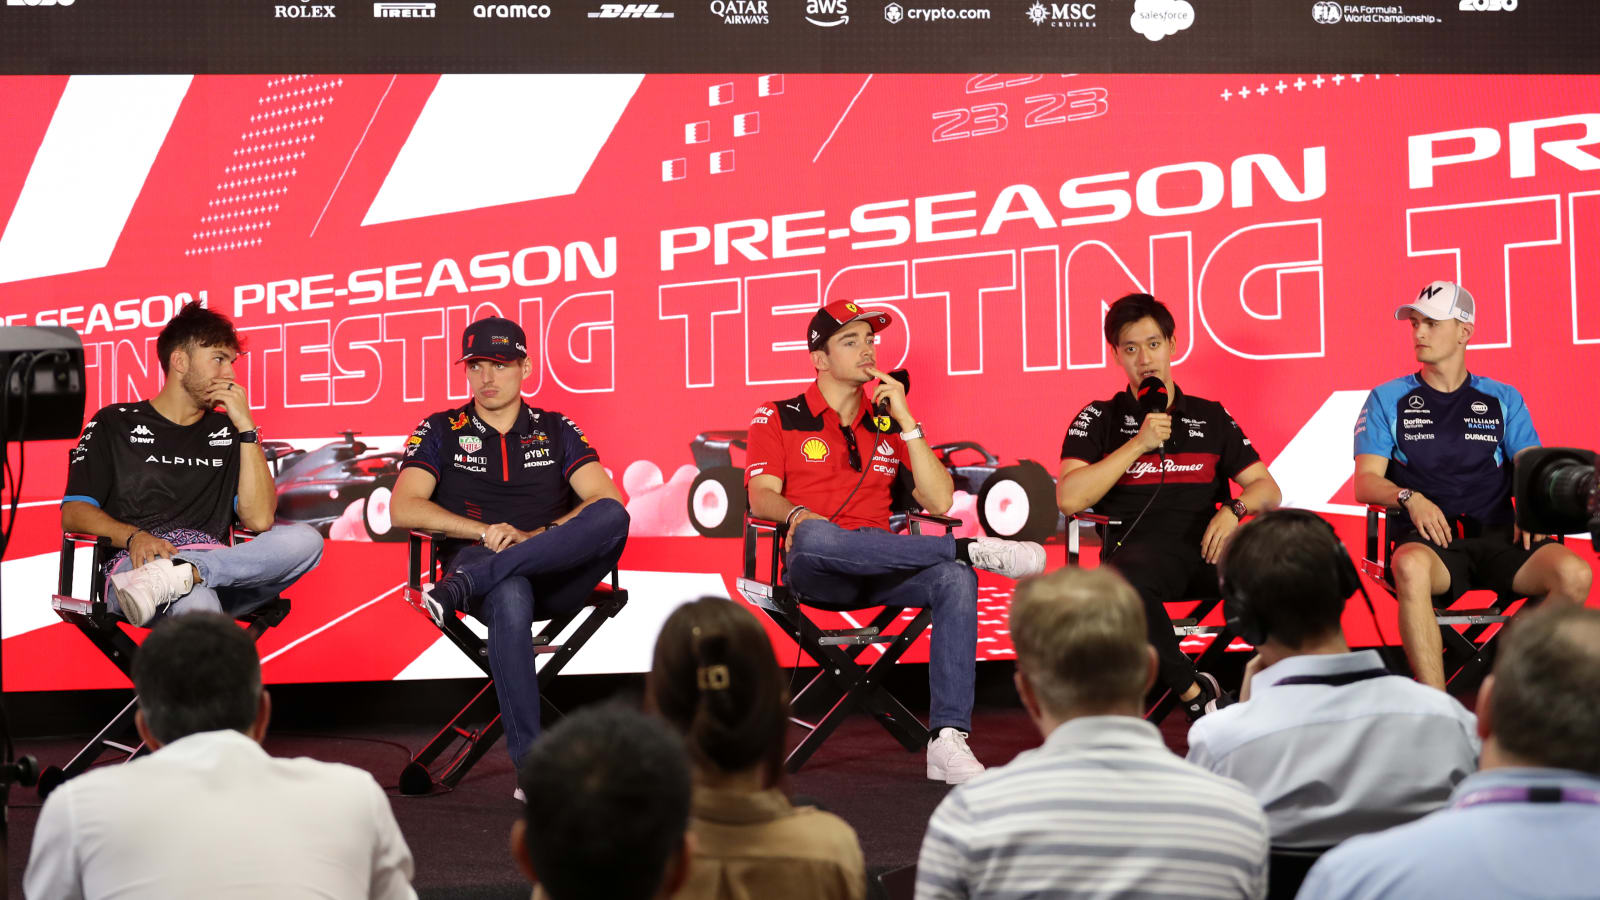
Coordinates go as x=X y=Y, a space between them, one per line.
x=1437 y=447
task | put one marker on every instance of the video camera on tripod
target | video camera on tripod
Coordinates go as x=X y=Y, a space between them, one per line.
x=1556 y=491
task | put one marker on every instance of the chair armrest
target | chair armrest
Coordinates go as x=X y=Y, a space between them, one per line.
x=1375 y=561
x=915 y=518
x=414 y=555
x=1084 y=518
x=754 y=528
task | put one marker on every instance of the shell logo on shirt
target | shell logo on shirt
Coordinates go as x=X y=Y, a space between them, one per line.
x=814 y=449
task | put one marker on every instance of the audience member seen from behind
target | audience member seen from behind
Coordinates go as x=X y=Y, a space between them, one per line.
x=209 y=814
x=716 y=680
x=1330 y=742
x=1103 y=808
x=1525 y=825
x=607 y=812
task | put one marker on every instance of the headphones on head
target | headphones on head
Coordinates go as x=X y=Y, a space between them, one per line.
x=1248 y=622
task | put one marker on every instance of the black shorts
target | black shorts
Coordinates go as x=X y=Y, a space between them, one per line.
x=1489 y=561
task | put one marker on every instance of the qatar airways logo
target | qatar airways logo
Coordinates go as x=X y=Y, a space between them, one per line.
x=1145 y=467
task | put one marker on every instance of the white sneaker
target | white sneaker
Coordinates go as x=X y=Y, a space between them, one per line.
x=144 y=591
x=433 y=606
x=950 y=760
x=1013 y=559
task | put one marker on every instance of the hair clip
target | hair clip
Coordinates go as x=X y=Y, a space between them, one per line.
x=712 y=678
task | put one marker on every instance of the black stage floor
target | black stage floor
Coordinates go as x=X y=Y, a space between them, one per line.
x=458 y=838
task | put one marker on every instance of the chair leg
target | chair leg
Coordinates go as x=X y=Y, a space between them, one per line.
x=119 y=734
x=483 y=705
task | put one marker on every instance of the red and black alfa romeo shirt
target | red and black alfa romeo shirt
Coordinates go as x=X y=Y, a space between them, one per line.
x=801 y=441
x=1206 y=450
x=520 y=477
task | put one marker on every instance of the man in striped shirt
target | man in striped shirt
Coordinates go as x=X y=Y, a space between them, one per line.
x=1103 y=808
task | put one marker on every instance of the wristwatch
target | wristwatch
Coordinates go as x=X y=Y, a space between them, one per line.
x=253 y=436
x=1239 y=509
x=1404 y=495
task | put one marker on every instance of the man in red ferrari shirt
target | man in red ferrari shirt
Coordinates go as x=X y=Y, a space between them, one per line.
x=825 y=465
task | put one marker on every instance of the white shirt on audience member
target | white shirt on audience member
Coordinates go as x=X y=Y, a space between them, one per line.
x=1329 y=761
x=213 y=816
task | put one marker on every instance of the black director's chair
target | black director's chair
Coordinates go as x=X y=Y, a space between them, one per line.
x=476 y=727
x=1469 y=647
x=103 y=628
x=1162 y=699
x=842 y=683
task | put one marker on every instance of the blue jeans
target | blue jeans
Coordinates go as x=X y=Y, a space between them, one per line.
x=832 y=568
x=238 y=579
x=548 y=575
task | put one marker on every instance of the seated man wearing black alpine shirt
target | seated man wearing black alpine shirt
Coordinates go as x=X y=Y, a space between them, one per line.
x=825 y=464
x=1435 y=448
x=165 y=480
x=1164 y=476
x=498 y=477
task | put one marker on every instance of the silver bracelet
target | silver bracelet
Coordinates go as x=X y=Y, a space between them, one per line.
x=913 y=434
x=788 y=520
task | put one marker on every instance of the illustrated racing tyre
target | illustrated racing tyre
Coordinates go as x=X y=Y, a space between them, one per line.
x=1019 y=503
x=717 y=502
x=375 y=516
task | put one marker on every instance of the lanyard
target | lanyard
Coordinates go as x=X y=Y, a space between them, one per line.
x=1544 y=793
x=1339 y=680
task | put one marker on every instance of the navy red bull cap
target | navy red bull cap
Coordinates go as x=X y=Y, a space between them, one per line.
x=837 y=315
x=493 y=338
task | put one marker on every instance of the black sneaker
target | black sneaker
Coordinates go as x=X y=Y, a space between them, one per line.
x=1210 y=699
x=445 y=598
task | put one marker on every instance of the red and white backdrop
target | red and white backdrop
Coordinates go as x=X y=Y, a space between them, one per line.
x=664 y=238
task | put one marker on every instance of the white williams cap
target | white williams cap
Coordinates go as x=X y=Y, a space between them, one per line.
x=1440 y=300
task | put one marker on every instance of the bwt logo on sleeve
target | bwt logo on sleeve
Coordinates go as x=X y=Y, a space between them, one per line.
x=632 y=11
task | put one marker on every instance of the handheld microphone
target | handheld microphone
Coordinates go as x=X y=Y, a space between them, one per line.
x=880 y=410
x=1153 y=398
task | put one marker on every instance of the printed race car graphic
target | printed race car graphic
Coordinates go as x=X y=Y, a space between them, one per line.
x=1016 y=501
x=342 y=480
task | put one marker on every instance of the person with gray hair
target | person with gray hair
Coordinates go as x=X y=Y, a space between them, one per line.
x=208 y=813
x=1103 y=808
x=1529 y=816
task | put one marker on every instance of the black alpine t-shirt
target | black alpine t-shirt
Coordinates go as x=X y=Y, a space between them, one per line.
x=177 y=482
x=1206 y=450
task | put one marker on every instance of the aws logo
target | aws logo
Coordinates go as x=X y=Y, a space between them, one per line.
x=814 y=449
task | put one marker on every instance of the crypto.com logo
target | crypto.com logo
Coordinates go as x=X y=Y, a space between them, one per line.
x=828 y=13
x=631 y=11
x=1327 y=12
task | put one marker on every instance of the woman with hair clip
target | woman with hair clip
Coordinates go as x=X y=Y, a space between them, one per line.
x=716 y=680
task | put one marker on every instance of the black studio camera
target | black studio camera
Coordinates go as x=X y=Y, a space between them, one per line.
x=1555 y=490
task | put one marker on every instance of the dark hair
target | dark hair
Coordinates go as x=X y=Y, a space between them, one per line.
x=1285 y=562
x=1545 y=684
x=1130 y=308
x=608 y=803
x=197 y=672
x=194 y=326
x=715 y=678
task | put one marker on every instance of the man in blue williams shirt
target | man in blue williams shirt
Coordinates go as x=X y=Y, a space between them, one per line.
x=1329 y=741
x=1437 y=446
x=1526 y=824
